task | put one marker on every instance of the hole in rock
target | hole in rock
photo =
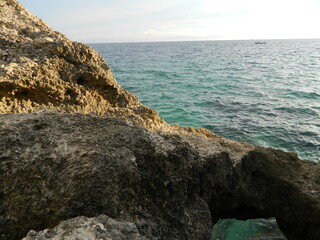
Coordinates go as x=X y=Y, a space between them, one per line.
x=80 y=81
x=69 y=92
x=254 y=229
x=73 y=95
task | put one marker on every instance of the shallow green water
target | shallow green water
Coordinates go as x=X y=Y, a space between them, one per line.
x=254 y=229
x=267 y=95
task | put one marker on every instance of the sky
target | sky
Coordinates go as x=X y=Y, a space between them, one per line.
x=99 y=21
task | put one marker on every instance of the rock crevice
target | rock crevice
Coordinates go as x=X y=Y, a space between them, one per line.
x=56 y=166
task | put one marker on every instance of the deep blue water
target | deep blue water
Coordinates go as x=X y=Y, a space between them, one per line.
x=267 y=95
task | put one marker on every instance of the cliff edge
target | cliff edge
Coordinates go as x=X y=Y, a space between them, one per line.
x=79 y=155
x=41 y=68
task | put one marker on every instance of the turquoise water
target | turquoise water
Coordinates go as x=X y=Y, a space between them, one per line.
x=253 y=229
x=267 y=95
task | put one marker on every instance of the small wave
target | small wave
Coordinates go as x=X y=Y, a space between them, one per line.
x=302 y=94
x=297 y=111
x=176 y=82
x=252 y=62
x=271 y=99
x=205 y=104
x=157 y=73
x=166 y=97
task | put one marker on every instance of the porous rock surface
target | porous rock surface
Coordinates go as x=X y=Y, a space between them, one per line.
x=56 y=166
x=58 y=161
x=41 y=68
x=84 y=228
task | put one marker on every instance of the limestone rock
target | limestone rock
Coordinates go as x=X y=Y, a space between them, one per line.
x=56 y=166
x=84 y=228
x=42 y=68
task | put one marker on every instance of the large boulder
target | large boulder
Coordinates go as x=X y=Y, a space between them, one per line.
x=56 y=166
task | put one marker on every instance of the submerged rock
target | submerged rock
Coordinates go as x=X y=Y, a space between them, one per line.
x=58 y=161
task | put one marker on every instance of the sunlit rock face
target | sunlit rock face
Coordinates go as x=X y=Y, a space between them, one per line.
x=41 y=68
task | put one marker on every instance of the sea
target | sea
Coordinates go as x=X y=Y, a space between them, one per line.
x=265 y=94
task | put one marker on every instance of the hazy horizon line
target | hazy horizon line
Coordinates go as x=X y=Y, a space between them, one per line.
x=205 y=40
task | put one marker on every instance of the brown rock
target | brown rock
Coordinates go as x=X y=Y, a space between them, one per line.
x=58 y=74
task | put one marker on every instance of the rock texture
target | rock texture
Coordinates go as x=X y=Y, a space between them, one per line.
x=42 y=68
x=101 y=227
x=56 y=166
x=152 y=180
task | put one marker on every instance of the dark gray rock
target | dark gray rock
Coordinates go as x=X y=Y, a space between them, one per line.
x=56 y=166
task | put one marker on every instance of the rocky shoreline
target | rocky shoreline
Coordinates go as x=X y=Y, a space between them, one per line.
x=82 y=157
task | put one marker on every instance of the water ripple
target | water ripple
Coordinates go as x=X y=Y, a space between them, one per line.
x=267 y=95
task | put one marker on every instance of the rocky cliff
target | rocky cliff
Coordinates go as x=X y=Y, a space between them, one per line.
x=74 y=143
x=41 y=68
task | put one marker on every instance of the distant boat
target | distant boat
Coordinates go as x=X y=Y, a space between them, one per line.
x=259 y=42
